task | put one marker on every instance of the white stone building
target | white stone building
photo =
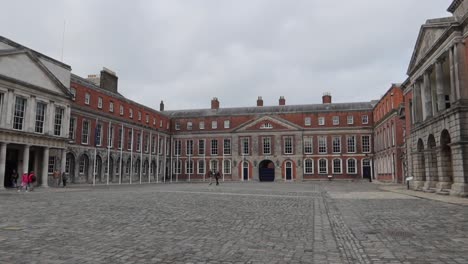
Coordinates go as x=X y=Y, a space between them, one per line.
x=35 y=112
x=436 y=95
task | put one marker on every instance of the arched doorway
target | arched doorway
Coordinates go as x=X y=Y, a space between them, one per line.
x=70 y=167
x=366 y=169
x=110 y=170
x=266 y=171
x=288 y=170
x=83 y=169
x=245 y=171
x=446 y=164
x=431 y=164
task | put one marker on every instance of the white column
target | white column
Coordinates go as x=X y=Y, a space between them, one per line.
x=49 y=120
x=427 y=104
x=66 y=122
x=45 y=165
x=416 y=101
x=25 y=159
x=3 y=149
x=456 y=68
x=30 y=114
x=63 y=160
x=453 y=94
x=10 y=103
x=440 y=86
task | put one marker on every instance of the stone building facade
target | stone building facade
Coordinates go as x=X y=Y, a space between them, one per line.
x=388 y=136
x=436 y=94
x=35 y=110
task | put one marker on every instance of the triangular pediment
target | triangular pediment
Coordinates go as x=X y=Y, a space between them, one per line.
x=428 y=37
x=267 y=123
x=24 y=67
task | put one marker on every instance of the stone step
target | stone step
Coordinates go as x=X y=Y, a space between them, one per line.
x=444 y=192
x=430 y=190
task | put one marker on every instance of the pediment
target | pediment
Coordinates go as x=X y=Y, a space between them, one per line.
x=26 y=68
x=427 y=39
x=268 y=123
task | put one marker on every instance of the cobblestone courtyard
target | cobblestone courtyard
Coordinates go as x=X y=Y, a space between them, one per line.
x=327 y=222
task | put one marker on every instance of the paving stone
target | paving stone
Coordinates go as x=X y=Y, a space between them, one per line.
x=319 y=222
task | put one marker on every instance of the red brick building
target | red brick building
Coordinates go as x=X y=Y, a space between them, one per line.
x=273 y=143
x=389 y=136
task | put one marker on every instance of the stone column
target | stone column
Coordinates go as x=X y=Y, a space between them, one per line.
x=418 y=181
x=63 y=160
x=456 y=68
x=49 y=121
x=30 y=114
x=453 y=94
x=431 y=171
x=3 y=149
x=416 y=101
x=445 y=179
x=459 y=186
x=25 y=159
x=440 y=86
x=9 y=107
x=45 y=167
x=427 y=106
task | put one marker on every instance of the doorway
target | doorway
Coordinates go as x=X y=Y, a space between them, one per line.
x=266 y=171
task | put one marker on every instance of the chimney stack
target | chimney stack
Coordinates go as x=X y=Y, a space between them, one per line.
x=108 y=80
x=259 y=101
x=161 y=106
x=326 y=98
x=282 y=101
x=215 y=103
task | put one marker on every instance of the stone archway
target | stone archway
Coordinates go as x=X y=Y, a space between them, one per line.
x=420 y=166
x=266 y=171
x=98 y=169
x=446 y=163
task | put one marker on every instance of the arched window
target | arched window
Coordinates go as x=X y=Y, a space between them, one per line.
x=227 y=167
x=83 y=166
x=352 y=166
x=323 y=166
x=337 y=166
x=308 y=166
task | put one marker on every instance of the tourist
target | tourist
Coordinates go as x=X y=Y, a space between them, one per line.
x=31 y=180
x=24 y=182
x=64 y=179
x=56 y=177
x=217 y=177
x=210 y=176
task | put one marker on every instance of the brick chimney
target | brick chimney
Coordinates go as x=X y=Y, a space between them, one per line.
x=326 y=98
x=282 y=101
x=259 y=101
x=108 y=80
x=161 y=106
x=215 y=103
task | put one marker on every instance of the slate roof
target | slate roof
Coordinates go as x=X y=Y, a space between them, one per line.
x=264 y=110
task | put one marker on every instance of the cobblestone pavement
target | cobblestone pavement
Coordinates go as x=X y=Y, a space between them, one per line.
x=319 y=222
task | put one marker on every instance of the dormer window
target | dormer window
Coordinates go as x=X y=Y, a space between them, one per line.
x=266 y=126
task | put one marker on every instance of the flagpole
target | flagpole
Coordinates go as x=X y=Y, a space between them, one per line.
x=157 y=160
x=189 y=160
x=171 y=152
x=141 y=152
x=222 y=167
x=204 y=161
x=149 y=161
x=109 y=139
x=121 y=150
x=131 y=158
x=95 y=152
x=165 y=159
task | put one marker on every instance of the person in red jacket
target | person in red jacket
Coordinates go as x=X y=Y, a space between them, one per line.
x=31 y=180
x=24 y=182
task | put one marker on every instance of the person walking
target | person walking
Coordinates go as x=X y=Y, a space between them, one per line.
x=14 y=179
x=56 y=176
x=217 y=177
x=31 y=180
x=210 y=176
x=24 y=182
x=64 y=179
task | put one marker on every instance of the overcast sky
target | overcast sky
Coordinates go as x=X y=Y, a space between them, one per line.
x=186 y=52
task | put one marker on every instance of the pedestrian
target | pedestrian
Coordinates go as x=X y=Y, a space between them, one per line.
x=56 y=177
x=210 y=176
x=217 y=177
x=24 y=182
x=14 y=179
x=64 y=179
x=31 y=180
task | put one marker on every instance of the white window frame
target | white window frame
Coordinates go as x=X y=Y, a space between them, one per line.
x=307 y=121
x=83 y=134
x=58 y=120
x=322 y=144
x=266 y=145
x=87 y=99
x=130 y=113
x=214 y=124
x=365 y=119
x=227 y=123
x=214 y=147
x=19 y=113
x=350 y=120
x=351 y=148
x=99 y=104
x=320 y=171
x=355 y=166
x=288 y=144
x=336 y=120
x=340 y=167
x=364 y=147
x=122 y=110
x=201 y=169
x=308 y=145
x=227 y=166
x=177 y=125
x=227 y=150
x=201 y=147
x=321 y=121
x=40 y=117
x=334 y=146
x=308 y=166
x=189 y=125
x=201 y=125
